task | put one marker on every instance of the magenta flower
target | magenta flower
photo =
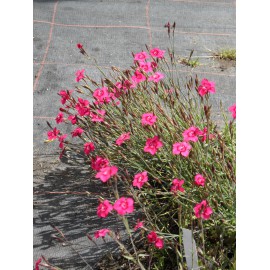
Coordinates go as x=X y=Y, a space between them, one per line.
x=199 y=180
x=73 y=119
x=203 y=134
x=156 y=77
x=159 y=243
x=124 y=137
x=77 y=132
x=146 y=66
x=128 y=85
x=106 y=173
x=152 y=145
x=148 y=119
x=65 y=95
x=181 y=148
x=89 y=147
x=203 y=210
x=101 y=233
x=101 y=95
x=232 y=109
x=140 y=179
x=80 y=75
x=177 y=185
x=141 y=56
x=61 y=140
x=156 y=52
x=98 y=117
x=53 y=134
x=82 y=107
x=138 y=77
x=104 y=209
x=138 y=225
x=124 y=206
x=59 y=118
x=191 y=134
x=79 y=46
x=154 y=239
x=38 y=263
x=206 y=87
x=154 y=65
x=97 y=163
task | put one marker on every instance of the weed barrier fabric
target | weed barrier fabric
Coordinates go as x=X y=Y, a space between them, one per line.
x=109 y=30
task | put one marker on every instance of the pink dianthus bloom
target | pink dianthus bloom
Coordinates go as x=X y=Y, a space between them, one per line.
x=73 y=119
x=53 y=134
x=156 y=77
x=154 y=239
x=106 y=173
x=65 y=95
x=141 y=56
x=152 y=145
x=82 y=107
x=146 y=66
x=101 y=95
x=199 y=180
x=191 y=134
x=232 y=109
x=203 y=134
x=206 y=87
x=124 y=206
x=101 y=233
x=97 y=163
x=104 y=209
x=38 y=262
x=89 y=147
x=128 y=85
x=77 y=132
x=80 y=75
x=156 y=52
x=181 y=148
x=203 y=210
x=98 y=117
x=148 y=119
x=61 y=140
x=124 y=137
x=140 y=179
x=59 y=118
x=138 y=77
x=154 y=65
x=177 y=185
x=138 y=225
x=79 y=46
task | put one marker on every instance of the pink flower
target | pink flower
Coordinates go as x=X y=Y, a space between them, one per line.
x=61 y=140
x=154 y=239
x=141 y=56
x=138 y=225
x=203 y=210
x=138 y=77
x=140 y=179
x=156 y=77
x=152 y=145
x=38 y=263
x=101 y=95
x=156 y=52
x=153 y=65
x=101 y=233
x=232 y=109
x=124 y=137
x=159 y=243
x=82 y=107
x=59 y=118
x=177 y=185
x=88 y=147
x=124 y=206
x=80 y=75
x=73 y=119
x=77 y=132
x=145 y=66
x=199 y=180
x=97 y=163
x=182 y=148
x=206 y=87
x=104 y=209
x=53 y=134
x=98 y=117
x=65 y=95
x=191 y=134
x=148 y=119
x=203 y=134
x=118 y=85
x=79 y=46
x=129 y=85
x=106 y=173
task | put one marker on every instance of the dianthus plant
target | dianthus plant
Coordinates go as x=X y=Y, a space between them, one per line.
x=155 y=144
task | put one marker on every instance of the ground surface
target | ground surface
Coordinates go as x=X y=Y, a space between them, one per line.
x=109 y=30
